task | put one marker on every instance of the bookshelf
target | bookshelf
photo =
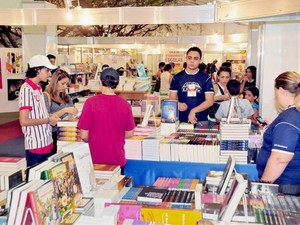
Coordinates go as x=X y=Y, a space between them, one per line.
x=128 y=95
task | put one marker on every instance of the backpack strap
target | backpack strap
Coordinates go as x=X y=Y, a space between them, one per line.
x=221 y=89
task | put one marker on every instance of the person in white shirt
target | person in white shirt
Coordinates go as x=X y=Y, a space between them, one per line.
x=165 y=79
x=233 y=87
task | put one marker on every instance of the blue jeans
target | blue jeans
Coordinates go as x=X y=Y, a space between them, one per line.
x=33 y=158
x=289 y=189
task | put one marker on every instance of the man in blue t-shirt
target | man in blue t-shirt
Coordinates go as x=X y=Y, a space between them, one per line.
x=193 y=89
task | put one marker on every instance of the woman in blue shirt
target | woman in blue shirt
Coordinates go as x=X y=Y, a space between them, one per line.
x=279 y=158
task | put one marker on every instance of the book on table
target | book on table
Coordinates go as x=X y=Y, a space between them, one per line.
x=226 y=175
x=152 y=194
x=233 y=197
x=41 y=205
x=13 y=201
x=84 y=164
x=65 y=186
x=169 y=111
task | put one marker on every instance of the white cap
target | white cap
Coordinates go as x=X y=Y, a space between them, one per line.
x=39 y=61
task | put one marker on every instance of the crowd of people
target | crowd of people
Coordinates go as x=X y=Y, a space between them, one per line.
x=198 y=88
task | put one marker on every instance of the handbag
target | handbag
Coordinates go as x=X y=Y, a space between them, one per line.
x=212 y=110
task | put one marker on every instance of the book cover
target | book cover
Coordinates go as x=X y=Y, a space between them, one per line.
x=14 y=199
x=226 y=176
x=64 y=187
x=84 y=164
x=127 y=211
x=12 y=179
x=42 y=205
x=233 y=198
x=131 y=193
x=169 y=111
x=263 y=188
x=170 y=216
x=11 y=160
x=152 y=194
x=74 y=181
x=23 y=202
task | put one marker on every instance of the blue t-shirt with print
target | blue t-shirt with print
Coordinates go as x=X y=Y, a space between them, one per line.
x=191 y=89
x=283 y=135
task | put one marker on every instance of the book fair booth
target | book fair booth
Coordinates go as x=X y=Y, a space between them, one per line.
x=176 y=173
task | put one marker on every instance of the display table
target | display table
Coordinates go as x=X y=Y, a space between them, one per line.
x=146 y=172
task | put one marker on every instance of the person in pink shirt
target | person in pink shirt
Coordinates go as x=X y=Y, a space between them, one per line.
x=106 y=120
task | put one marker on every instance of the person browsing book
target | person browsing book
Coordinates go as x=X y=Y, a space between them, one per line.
x=34 y=118
x=58 y=102
x=279 y=158
x=244 y=106
x=106 y=120
x=193 y=89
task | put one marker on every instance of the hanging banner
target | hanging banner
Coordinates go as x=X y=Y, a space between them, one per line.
x=177 y=58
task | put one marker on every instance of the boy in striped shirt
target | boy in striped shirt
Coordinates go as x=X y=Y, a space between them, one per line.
x=35 y=121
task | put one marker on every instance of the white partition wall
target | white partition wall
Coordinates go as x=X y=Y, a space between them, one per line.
x=278 y=51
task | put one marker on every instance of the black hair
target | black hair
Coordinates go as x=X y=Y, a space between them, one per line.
x=195 y=49
x=224 y=69
x=253 y=71
x=202 y=67
x=120 y=71
x=50 y=56
x=233 y=87
x=105 y=66
x=110 y=81
x=168 y=67
x=33 y=72
x=254 y=91
x=161 y=64
x=227 y=64
x=208 y=68
x=184 y=65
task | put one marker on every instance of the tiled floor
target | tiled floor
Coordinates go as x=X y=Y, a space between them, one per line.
x=7 y=117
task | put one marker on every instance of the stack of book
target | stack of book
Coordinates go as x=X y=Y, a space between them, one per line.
x=106 y=171
x=190 y=147
x=150 y=146
x=12 y=172
x=133 y=147
x=67 y=132
x=234 y=138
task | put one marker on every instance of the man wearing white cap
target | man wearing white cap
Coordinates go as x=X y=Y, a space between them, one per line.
x=34 y=118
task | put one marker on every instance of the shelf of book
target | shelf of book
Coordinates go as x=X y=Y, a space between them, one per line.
x=146 y=172
x=128 y=95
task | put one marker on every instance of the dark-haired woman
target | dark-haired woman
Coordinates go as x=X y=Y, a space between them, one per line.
x=58 y=102
x=249 y=79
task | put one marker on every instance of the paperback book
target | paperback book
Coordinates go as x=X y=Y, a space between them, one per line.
x=169 y=111
x=152 y=194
